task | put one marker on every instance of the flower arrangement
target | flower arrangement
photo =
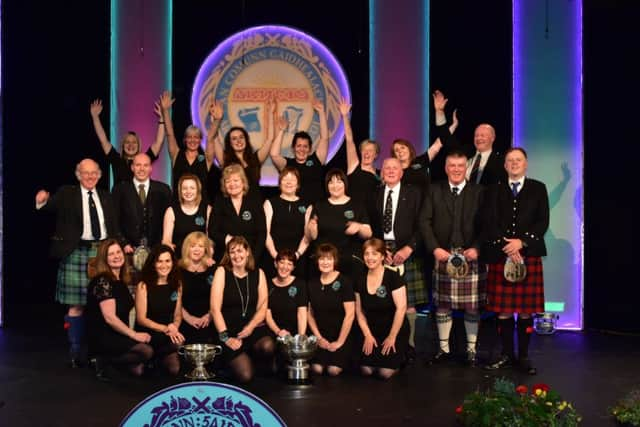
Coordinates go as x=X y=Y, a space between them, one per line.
x=506 y=405
x=627 y=410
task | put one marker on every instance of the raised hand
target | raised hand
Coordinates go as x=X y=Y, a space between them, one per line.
x=96 y=108
x=157 y=109
x=166 y=101
x=344 y=107
x=42 y=197
x=439 y=101
x=317 y=105
x=216 y=109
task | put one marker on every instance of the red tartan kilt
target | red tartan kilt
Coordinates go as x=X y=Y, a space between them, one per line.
x=524 y=297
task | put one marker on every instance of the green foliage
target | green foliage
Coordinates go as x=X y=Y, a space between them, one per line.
x=627 y=409
x=506 y=405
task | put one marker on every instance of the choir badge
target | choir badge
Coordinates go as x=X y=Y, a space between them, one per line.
x=457 y=265
x=140 y=255
x=514 y=272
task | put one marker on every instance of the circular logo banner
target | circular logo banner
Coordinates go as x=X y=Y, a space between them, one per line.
x=272 y=62
x=202 y=404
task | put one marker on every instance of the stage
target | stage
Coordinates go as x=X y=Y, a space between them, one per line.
x=590 y=369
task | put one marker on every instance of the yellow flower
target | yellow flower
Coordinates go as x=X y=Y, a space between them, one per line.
x=548 y=403
x=538 y=392
x=562 y=405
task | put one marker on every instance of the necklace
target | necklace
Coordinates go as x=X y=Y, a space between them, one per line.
x=243 y=304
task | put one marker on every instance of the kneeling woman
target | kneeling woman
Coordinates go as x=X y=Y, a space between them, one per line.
x=287 y=312
x=159 y=306
x=238 y=307
x=331 y=313
x=381 y=305
x=108 y=305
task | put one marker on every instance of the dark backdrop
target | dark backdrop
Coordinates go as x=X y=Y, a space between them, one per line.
x=56 y=60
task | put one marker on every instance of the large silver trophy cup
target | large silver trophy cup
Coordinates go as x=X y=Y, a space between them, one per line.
x=200 y=355
x=298 y=349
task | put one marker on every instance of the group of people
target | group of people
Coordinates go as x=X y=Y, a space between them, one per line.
x=224 y=266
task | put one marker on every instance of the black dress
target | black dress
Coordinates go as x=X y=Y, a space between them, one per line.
x=103 y=339
x=196 y=294
x=239 y=301
x=121 y=167
x=363 y=186
x=249 y=223
x=198 y=168
x=284 y=302
x=311 y=178
x=185 y=224
x=161 y=306
x=326 y=302
x=287 y=230
x=418 y=174
x=332 y=221
x=379 y=309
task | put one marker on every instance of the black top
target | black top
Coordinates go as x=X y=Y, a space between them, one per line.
x=185 y=224
x=326 y=301
x=101 y=288
x=311 y=178
x=363 y=186
x=121 y=167
x=249 y=223
x=161 y=305
x=284 y=302
x=417 y=174
x=379 y=307
x=240 y=296
x=196 y=291
x=198 y=168
x=287 y=222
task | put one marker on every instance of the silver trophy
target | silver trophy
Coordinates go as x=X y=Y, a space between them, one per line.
x=298 y=349
x=199 y=355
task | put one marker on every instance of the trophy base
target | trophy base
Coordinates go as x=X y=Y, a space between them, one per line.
x=298 y=373
x=199 y=374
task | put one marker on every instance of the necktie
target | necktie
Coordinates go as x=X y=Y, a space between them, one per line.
x=514 y=188
x=388 y=213
x=142 y=194
x=455 y=190
x=93 y=216
x=473 y=176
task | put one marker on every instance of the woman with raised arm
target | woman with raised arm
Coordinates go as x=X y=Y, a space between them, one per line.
x=331 y=313
x=284 y=216
x=308 y=163
x=339 y=221
x=191 y=159
x=159 y=306
x=131 y=144
x=190 y=213
x=109 y=302
x=381 y=304
x=237 y=214
x=364 y=178
x=238 y=308
x=196 y=269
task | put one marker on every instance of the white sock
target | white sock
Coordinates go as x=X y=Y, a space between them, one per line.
x=471 y=326
x=444 y=323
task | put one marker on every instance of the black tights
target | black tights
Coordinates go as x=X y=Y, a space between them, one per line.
x=135 y=358
x=242 y=366
x=168 y=356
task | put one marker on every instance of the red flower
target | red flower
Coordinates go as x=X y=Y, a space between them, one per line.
x=521 y=389
x=66 y=326
x=459 y=409
x=529 y=330
x=541 y=387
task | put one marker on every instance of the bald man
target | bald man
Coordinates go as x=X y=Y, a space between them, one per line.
x=84 y=217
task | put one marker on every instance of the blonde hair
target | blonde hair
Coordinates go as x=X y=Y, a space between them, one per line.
x=191 y=239
x=234 y=169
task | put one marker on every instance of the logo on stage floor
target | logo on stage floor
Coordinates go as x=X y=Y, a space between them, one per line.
x=272 y=62
x=202 y=404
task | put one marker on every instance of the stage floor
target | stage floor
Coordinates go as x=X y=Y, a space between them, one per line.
x=591 y=369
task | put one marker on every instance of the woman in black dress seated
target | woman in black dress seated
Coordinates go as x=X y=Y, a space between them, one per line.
x=339 y=221
x=159 y=306
x=284 y=215
x=287 y=311
x=238 y=307
x=331 y=313
x=381 y=305
x=108 y=305
x=197 y=276
x=237 y=214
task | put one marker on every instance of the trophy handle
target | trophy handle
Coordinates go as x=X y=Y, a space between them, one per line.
x=217 y=349
x=181 y=350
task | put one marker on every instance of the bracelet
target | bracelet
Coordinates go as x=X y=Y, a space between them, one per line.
x=160 y=123
x=223 y=336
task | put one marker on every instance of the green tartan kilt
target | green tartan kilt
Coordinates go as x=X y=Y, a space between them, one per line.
x=414 y=279
x=72 y=281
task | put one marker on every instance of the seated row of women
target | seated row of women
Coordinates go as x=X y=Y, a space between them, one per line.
x=237 y=306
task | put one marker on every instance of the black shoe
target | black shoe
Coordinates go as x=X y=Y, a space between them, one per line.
x=440 y=357
x=100 y=366
x=527 y=367
x=75 y=363
x=411 y=355
x=470 y=359
x=503 y=362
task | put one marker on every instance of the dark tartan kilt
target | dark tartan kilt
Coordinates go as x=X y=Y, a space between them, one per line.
x=469 y=293
x=414 y=278
x=523 y=297
x=72 y=277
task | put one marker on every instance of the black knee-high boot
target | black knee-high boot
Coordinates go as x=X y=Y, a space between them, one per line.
x=525 y=329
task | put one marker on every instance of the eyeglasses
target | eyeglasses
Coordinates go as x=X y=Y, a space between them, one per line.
x=89 y=173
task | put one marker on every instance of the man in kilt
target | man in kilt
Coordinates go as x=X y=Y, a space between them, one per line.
x=515 y=218
x=84 y=217
x=449 y=223
x=395 y=219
